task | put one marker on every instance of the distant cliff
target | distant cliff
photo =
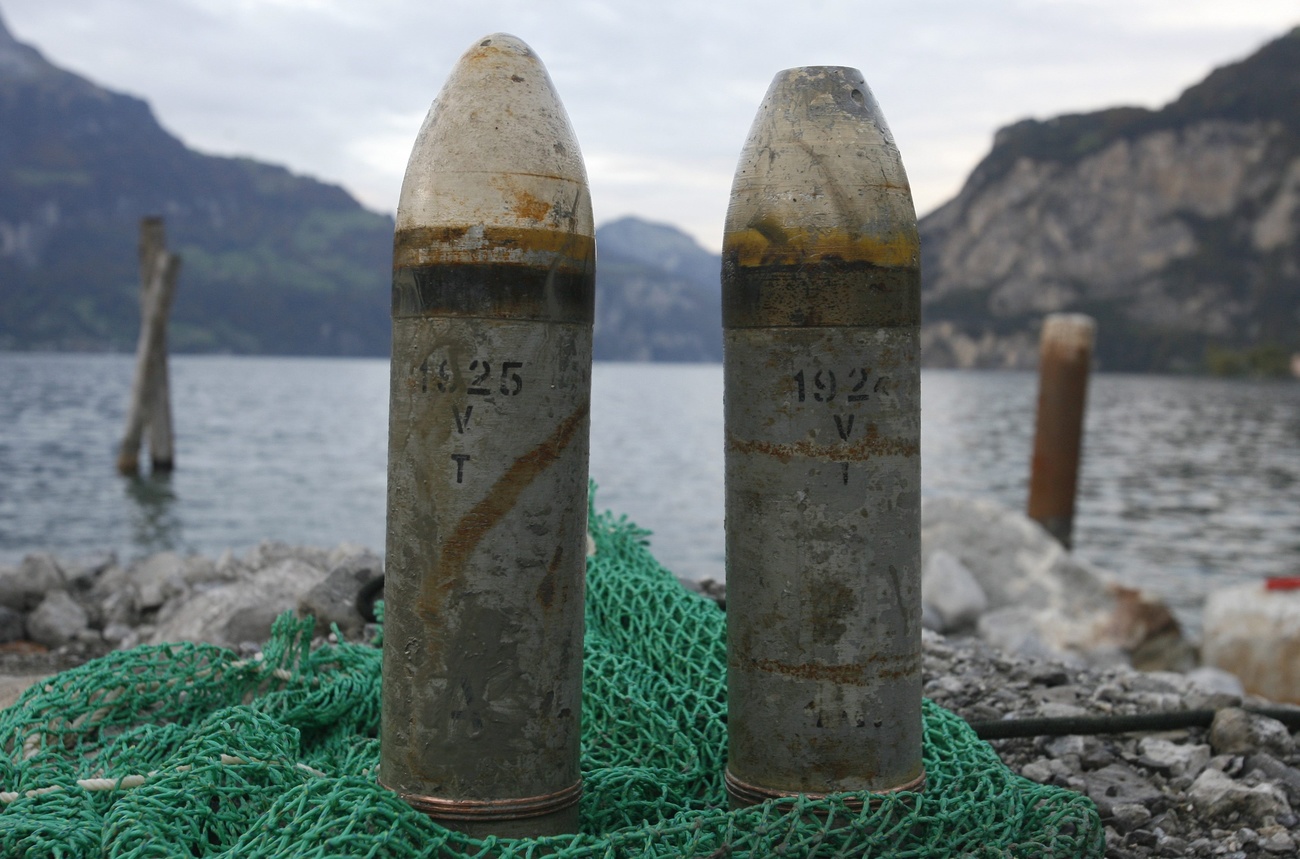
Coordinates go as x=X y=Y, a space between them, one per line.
x=658 y=295
x=1178 y=229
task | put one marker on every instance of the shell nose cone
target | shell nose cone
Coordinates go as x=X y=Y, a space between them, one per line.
x=821 y=177
x=825 y=91
x=497 y=149
x=502 y=43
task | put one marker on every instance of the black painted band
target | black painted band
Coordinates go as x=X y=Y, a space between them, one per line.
x=825 y=293
x=496 y=291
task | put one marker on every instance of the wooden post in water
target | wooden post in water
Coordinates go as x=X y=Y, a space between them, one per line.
x=150 y=406
x=1064 y=362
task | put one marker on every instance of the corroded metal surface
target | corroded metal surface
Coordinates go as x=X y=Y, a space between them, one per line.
x=493 y=282
x=1064 y=362
x=821 y=308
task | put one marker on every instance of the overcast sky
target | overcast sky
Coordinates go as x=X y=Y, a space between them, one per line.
x=660 y=92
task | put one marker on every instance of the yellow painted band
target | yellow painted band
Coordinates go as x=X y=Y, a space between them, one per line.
x=766 y=243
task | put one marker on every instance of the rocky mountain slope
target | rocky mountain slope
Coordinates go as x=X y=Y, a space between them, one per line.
x=658 y=295
x=272 y=262
x=1178 y=229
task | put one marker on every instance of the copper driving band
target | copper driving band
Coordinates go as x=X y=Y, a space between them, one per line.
x=751 y=794
x=473 y=810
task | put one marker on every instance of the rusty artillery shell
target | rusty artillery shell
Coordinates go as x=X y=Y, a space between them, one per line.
x=1064 y=361
x=821 y=311
x=493 y=287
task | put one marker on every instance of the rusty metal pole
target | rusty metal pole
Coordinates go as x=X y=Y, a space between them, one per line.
x=493 y=288
x=1064 y=361
x=821 y=311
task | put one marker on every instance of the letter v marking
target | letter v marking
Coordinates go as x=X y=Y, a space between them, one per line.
x=463 y=424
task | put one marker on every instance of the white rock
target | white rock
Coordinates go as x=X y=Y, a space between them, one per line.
x=1178 y=758
x=239 y=612
x=1237 y=732
x=1213 y=680
x=57 y=620
x=1280 y=843
x=23 y=588
x=952 y=591
x=345 y=552
x=197 y=570
x=1015 y=561
x=1254 y=633
x=1215 y=795
x=158 y=578
x=1062 y=605
x=113 y=580
x=1021 y=631
x=118 y=634
x=337 y=599
x=229 y=567
x=271 y=552
x=930 y=619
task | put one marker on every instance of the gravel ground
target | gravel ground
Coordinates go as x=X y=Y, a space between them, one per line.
x=1230 y=790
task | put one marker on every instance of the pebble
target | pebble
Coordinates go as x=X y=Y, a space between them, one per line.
x=1236 y=732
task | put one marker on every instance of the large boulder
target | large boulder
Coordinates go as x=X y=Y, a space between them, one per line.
x=57 y=620
x=13 y=627
x=346 y=596
x=1041 y=601
x=953 y=593
x=1254 y=633
x=157 y=578
x=1218 y=797
x=241 y=612
x=23 y=588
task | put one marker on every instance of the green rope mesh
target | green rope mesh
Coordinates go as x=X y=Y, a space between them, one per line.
x=188 y=750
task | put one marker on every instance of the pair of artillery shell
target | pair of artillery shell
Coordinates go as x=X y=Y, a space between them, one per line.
x=493 y=284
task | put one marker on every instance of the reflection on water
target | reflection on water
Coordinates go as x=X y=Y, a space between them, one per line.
x=155 y=523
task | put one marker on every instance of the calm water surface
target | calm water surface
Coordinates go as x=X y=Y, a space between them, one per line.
x=1186 y=482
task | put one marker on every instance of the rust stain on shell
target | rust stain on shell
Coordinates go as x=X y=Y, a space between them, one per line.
x=880 y=666
x=500 y=499
x=871 y=445
x=530 y=206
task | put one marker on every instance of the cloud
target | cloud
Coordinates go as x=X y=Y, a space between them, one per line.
x=661 y=94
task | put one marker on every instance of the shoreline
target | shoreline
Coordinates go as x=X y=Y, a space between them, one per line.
x=1232 y=789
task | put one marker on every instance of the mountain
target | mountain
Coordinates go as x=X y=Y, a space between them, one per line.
x=658 y=295
x=1178 y=229
x=272 y=262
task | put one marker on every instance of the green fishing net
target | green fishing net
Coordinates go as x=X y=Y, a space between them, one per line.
x=189 y=750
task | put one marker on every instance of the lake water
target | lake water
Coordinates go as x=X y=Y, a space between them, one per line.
x=1187 y=483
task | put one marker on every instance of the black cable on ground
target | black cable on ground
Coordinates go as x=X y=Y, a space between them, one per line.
x=1002 y=729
